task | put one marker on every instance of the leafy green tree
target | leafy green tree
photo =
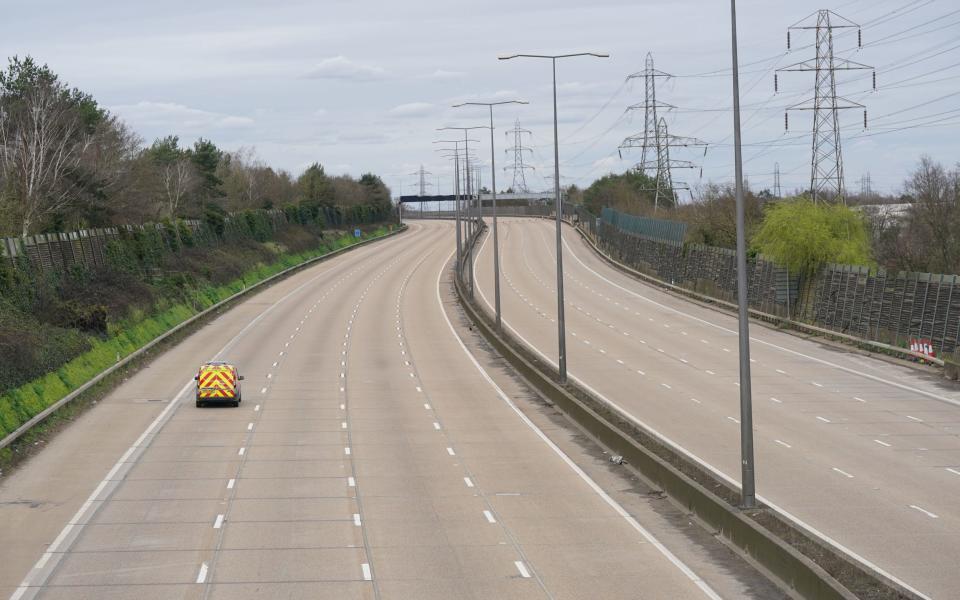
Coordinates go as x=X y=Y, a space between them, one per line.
x=802 y=235
x=631 y=192
x=206 y=158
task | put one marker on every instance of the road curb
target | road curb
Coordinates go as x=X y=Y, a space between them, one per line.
x=143 y=350
x=788 y=554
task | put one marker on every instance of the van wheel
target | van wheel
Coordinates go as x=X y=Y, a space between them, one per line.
x=236 y=403
x=199 y=404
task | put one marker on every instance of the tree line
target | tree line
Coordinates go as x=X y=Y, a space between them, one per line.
x=917 y=229
x=67 y=163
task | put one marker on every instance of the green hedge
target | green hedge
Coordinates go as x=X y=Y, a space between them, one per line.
x=21 y=404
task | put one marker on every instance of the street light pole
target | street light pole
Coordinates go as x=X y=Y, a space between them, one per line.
x=456 y=191
x=558 y=205
x=748 y=484
x=493 y=189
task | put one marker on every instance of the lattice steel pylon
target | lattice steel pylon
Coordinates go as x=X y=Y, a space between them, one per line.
x=826 y=167
x=665 y=188
x=424 y=184
x=777 y=190
x=519 y=184
x=650 y=121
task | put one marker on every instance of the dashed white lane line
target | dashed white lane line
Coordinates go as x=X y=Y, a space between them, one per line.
x=346 y=450
x=343 y=425
x=912 y=418
x=639 y=372
x=241 y=451
x=218 y=522
x=452 y=453
x=256 y=408
x=882 y=443
x=367 y=576
x=468 y=481
x=426 y=406
x=734 y=419
x=695 y=400
x=343 y=407
x=666 y=385
x=249 y=426
x=419 y=389
x=784 y=444
x=924 y=511
x=859 y=399
x=781 y=371
x=842 y=472
x=351 y=482
x=522 y=568
x=202 y=575
x=436 y=426
x=709 y=372
x=772 y=399
x=824 y=419
x=954 y=471
x=356 y=519
x=263 y=390
x=820 y=385
x=231 y=483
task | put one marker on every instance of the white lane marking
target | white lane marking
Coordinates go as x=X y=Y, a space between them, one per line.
x=882 y=443
x=343 y=425
x=695 y=400
x=640 y=372
x=781 y=371
x=825 y=420
x=859 y=399
x=366 y=572
x=817 y=384
x=202 y=575
x=784 y=444
x=912 y=418
x=241 y=451
x=351 y=482
x=269 y=375
x=419 y=389
x=954 y=471
x=522 y=568
x=274 y=364
x=43 y=560
x=356 y=519
x=775 y=400
x=231 y=483
x=426 y=406
x=734 y=419
x=218 y=523
x=924 y=511
x=619 y=361
x=346 y=450
x=249 y=426
x=489 y=516
x=452 y=453
x=343 y=389
x=436 y=426
x=666 y=385
x=709 y=372
x=343 y=407
x=693 y=577
x=842 y=472
x=263 y=390
x=256 y=408
x=468 y=481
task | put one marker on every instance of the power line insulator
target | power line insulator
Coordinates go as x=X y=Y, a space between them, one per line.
x=874 y=81
x=859 y=39
x=776 y=84
x=788 y=39
x=786 y=121
x=864 y=118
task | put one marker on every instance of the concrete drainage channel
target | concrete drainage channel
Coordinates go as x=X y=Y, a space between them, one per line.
x=800 y=562
x=197 y=319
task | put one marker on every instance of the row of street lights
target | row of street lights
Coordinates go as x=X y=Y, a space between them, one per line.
x=748 y=494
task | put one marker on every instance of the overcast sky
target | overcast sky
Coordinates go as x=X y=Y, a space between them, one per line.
x=362 y=86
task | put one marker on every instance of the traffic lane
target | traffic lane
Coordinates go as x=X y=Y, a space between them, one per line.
x=850 y=495
x=142 y=489
x=506 y=465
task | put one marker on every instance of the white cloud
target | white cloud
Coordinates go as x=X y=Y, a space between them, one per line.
x=413 y=109
x=177 y=117
x=442 y=74
x=343 y=69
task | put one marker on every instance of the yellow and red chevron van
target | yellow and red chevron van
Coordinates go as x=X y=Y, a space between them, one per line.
x=218 y=382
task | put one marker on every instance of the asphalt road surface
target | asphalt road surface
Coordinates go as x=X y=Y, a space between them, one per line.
x=372 y=457
x=864 y=451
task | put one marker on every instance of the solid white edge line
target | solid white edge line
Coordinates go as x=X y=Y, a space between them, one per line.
x=678 y=448
x=693 y=577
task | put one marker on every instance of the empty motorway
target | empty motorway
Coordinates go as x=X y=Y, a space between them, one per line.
x=375 y=454
x=861 y=450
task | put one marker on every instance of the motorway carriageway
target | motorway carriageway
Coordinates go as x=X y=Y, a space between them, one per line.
x=861 y=450
x=375 y=455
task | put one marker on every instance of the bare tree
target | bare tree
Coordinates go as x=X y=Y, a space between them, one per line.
x=42 y=140
x=178 y=179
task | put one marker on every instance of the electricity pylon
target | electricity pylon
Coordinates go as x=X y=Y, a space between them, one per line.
x=649 y=106
x=664 y=188
x=519 y=184
x=777 y=191
x=424 y=184
x=826 y=165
